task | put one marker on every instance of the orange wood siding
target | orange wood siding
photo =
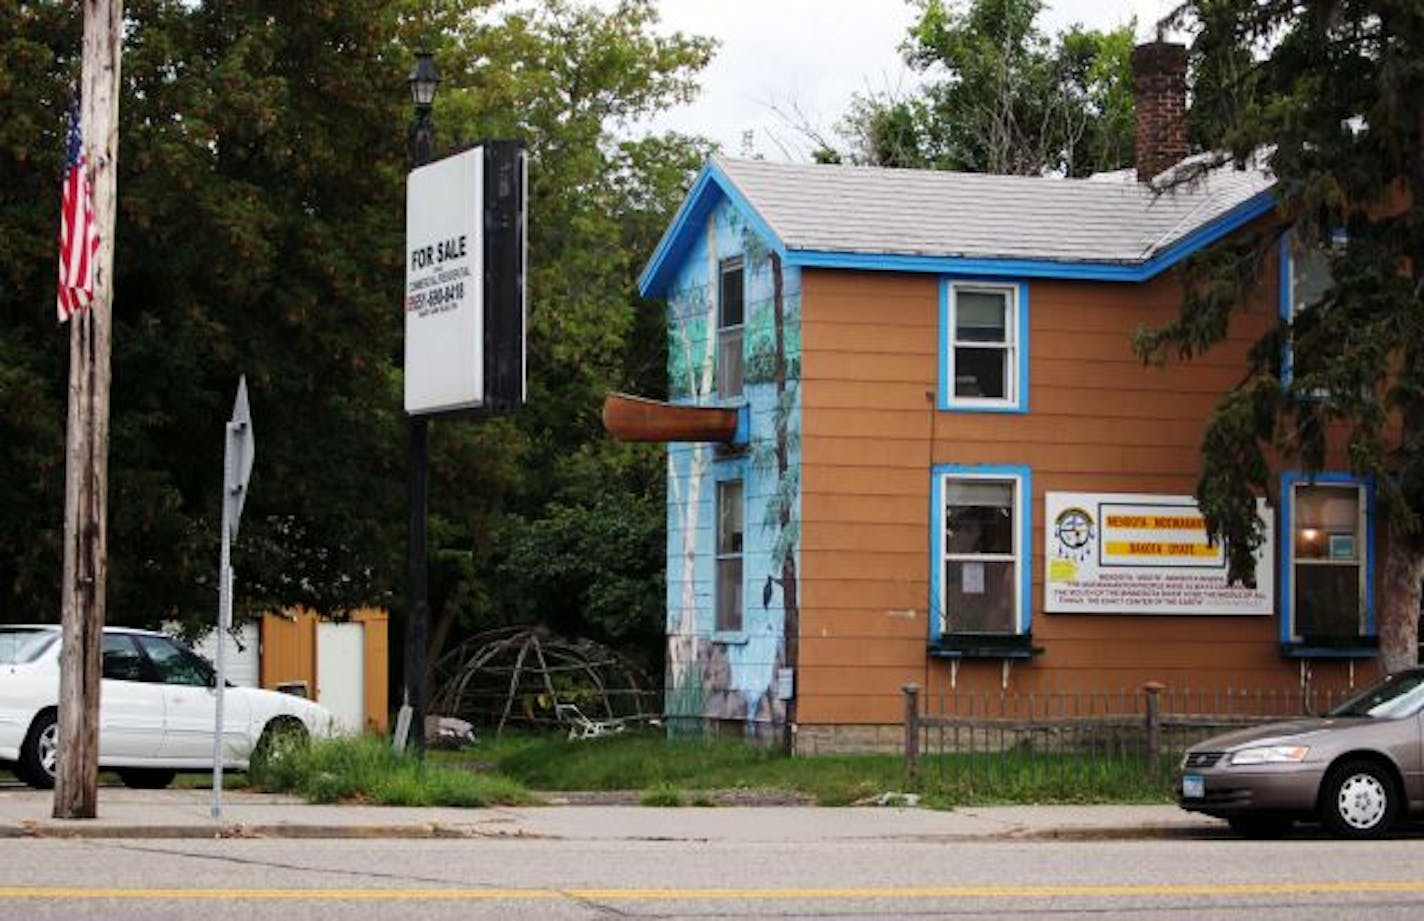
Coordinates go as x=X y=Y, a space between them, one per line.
x=374 y=623
x=1098 y=421
x=289 y=650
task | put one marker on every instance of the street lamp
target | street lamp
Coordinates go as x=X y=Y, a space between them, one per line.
x=423 y=80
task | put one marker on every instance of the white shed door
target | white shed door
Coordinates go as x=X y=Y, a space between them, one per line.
x=341 y=673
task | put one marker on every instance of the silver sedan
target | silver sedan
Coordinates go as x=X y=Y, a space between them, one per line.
x=1357 y=769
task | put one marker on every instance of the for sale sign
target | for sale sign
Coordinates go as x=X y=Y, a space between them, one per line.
x=444 y=287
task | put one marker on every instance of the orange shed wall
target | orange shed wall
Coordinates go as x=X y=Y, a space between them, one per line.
x=289 y=649
x=1098 y=421
x=374 y=623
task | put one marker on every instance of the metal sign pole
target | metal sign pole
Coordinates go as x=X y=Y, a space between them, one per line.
x=239 y=450
x=224 y=620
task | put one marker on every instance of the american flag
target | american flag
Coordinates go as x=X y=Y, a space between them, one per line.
x=78 y=239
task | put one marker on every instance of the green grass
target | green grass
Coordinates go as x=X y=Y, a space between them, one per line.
x=664 y=794
x=232 y=780
x=1019 y=779
x=647 y=762
x=664 y=769
x=366 y=770
x=679 y=773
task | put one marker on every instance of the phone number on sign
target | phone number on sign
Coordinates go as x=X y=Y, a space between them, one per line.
x=443 y=297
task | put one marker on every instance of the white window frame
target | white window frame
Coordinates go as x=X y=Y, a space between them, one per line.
x=719 y=557
x=1360 y=561
x=1020 y=557
x=726 y=332
x=1012 y=345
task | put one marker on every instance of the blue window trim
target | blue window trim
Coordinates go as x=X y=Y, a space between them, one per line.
x=1024 y=477
x=722 y=471
x=1289 y=480
x=945 y=399
x=1286 y=296
x=713 y=186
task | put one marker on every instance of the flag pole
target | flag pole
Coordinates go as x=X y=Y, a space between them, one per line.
x=76 y=789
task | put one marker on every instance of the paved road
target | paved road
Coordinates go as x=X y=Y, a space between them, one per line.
x=600 y=876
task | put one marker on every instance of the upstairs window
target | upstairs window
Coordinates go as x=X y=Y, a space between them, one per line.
x=1309 y=278
x=729 y=556
x=1330 y=537
x=982 y=365
x=1305 y=277
x=730 y=310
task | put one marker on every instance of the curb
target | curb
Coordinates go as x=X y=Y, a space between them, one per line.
x=1135 y=833
x=192 y=832
x=437 y=831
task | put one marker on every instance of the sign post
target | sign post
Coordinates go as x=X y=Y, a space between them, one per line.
x=465 y=319
x=239 y=449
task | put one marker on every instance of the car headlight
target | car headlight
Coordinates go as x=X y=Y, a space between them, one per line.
x=1273 y=754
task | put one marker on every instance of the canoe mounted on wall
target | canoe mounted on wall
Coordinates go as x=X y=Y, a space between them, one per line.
x=630 y=418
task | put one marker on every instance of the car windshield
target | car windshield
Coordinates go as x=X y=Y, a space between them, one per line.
x=1396 y=695
x=19 y=645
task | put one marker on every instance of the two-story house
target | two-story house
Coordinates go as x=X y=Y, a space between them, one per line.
x=927 y=452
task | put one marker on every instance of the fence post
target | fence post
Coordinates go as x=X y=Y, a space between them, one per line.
x=1154 y=728
x=912 y=733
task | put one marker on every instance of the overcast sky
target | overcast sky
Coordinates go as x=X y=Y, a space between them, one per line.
x=806 y=58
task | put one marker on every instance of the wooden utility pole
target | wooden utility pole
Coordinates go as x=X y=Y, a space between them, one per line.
x=86 y=486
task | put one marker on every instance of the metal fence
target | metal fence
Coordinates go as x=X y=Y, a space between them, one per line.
x=1084 y=742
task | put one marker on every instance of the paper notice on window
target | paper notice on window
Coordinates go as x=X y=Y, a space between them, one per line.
x=972 y=580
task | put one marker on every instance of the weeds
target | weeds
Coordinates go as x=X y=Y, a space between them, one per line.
x=661 y=767
x=664 y=794
x=367 y=770
x=501 y=772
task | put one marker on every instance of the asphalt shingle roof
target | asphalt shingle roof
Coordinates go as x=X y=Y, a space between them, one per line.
x=1106 y=219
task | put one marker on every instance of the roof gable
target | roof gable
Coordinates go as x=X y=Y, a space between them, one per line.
x=1107 y=228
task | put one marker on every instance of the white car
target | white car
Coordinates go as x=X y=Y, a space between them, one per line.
x=157 y=709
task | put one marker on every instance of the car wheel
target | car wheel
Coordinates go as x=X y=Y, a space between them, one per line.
x=279 y=737
x=40 y=752
x=1359 y=800
x=1260 y=827
x=146 y=778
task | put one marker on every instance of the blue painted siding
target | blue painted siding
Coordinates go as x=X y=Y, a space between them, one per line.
x=712 y=675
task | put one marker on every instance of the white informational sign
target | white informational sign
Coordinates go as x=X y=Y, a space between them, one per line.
x=444 y=285
x=1123 y=553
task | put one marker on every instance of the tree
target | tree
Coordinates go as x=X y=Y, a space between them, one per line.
x=261 y=220
x=565 y=77
x=1006 y=98
x=1328 y=94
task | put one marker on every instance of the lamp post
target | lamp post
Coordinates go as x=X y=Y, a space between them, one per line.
x=423 y=80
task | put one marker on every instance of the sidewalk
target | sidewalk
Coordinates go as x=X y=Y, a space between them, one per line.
x=187 y=814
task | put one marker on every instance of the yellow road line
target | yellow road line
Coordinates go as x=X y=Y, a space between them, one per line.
x=747 y=894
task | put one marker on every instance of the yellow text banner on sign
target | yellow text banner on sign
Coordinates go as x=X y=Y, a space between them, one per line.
x=1152 y=535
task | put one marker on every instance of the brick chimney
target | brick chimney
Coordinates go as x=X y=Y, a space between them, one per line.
x=1159 y=70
